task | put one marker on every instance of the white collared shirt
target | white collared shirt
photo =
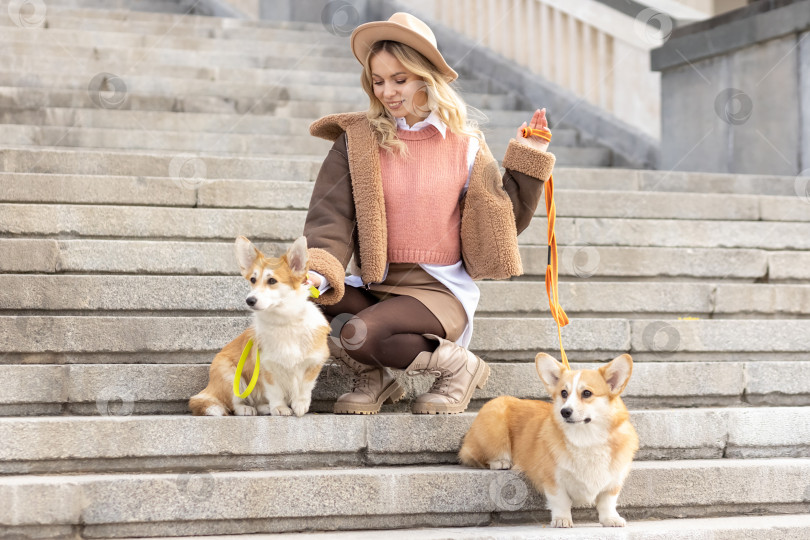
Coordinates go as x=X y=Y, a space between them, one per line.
x=452 y=276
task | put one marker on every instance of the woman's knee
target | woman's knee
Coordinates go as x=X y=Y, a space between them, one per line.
x=362 y=339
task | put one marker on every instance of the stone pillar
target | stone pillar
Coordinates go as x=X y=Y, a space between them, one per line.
x=735 y=92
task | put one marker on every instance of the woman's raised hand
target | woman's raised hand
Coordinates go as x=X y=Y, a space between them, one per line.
x=538 y=122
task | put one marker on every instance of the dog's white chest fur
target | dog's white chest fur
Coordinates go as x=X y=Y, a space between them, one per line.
x=585 y=472
x=282 y=346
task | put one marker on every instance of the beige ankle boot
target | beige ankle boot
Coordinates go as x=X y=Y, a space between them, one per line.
x=371 y=386
x=458 y=372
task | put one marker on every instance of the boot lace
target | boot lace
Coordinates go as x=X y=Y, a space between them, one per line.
x=442 y=381
x=360 y=382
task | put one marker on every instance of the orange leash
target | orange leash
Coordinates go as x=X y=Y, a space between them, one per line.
x=552 y=267
x=552 y=289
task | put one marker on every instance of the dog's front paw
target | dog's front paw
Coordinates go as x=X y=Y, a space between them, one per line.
x=265 y=409
x=244 y=410
x=614 y=520
x=281 y=410
x=300 y=407
x=500 y=464
x=562 y=522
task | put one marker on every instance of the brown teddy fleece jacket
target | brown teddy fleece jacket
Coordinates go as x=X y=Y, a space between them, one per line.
x=347 y=211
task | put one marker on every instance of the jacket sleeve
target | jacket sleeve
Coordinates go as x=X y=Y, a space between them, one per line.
x=330 y=221
x=526 y=170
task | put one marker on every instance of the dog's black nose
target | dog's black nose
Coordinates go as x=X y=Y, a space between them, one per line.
x=565 y=412
x=251 y=301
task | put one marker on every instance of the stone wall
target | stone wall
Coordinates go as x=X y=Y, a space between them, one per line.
x=736 y=92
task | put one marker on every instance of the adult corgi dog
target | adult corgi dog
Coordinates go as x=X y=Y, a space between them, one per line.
x=289 y=332
x=577 y=450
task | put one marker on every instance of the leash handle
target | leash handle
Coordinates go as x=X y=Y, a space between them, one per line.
x=238 y=376
x=542 y=133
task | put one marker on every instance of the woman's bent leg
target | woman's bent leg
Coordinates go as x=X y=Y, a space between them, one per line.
x=389 y=333
x=372 y=385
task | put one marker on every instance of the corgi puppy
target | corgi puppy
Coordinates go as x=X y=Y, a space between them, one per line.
x=289 y=332
x=577 y=449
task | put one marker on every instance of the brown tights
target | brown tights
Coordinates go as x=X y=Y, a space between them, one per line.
x=385 y=333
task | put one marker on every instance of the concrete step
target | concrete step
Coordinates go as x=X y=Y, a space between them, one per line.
x=159 y=121
x=71 y=339
x=161 y=443
x=492 y=123
x=181 y=141
x=65 y=254
x=153 y=191
x=66 y=188
x=783 y=527
x=156 y=6
x=156 y=163
x=282 y=90
x=77 y=41
x=273 y=104
x=83 y=22
x=208 y=295
x=142 y=138
x=24 y=69
x=125 y=10
x=111 y=387
x=123 y=60
x=170 y=86
x=275 y=101
x=121 y=505
x=188 y=169
x=191 y=168
x=671 y=233
x=581 y=234
x=227 y=146
x=180 y=34
x=616 y=179
x=26 y=64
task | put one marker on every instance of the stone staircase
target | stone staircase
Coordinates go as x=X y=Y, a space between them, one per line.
x=120 y=198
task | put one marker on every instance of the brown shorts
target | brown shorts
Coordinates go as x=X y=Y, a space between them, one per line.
x=410 y=279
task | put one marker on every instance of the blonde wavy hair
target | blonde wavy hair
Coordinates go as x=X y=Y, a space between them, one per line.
x=441 y=98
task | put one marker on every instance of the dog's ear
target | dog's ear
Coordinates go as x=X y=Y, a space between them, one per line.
x=617 y=373
x=246 y=254
x=549 y=370
x=297 y=256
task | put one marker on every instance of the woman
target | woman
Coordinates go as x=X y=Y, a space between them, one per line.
x=411 y=190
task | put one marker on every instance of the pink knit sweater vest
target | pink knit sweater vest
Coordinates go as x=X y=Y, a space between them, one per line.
x=422 y=197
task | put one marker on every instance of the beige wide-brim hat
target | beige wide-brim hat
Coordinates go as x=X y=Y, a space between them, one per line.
x=404 y=28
